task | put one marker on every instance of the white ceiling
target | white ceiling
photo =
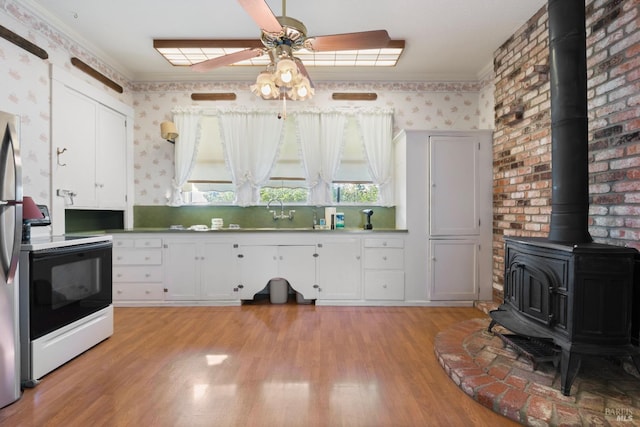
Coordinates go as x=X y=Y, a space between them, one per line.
x=446 y=40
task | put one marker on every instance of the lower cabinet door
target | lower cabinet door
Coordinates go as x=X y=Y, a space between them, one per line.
x=256 y=265
x=454 y=270
x=297 y=264
x=217 y=271
x=339 y=269
x=181 y=270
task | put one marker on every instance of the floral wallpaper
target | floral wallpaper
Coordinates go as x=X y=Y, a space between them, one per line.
x=25 y=89
x=446 y=106
x=416 y=105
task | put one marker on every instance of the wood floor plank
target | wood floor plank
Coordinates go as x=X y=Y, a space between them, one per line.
x=259 y=365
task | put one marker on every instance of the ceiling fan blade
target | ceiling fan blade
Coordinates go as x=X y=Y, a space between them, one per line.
x=303 y=70
x=349 y=41
x=262 y=15
x=229 y=59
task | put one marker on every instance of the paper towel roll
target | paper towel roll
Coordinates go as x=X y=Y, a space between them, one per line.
x=328 y=213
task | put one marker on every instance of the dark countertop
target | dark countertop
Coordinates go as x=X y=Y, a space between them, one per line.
x=258 y=230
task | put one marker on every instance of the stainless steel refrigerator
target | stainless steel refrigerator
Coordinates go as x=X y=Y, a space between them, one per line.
x=10 y=240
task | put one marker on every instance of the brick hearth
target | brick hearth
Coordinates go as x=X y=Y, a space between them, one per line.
x=604 y=393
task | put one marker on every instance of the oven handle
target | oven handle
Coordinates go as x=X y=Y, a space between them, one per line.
x=65 y=250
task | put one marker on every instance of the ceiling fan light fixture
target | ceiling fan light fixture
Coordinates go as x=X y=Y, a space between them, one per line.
x=302 y=90
x=286 y=72
x=265 y=86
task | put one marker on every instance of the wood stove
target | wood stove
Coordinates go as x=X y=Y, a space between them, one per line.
x=566 y=293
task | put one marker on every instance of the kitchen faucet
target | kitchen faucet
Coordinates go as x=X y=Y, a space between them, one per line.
x=282 y=215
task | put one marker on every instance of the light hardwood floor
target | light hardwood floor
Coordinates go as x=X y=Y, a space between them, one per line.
x=259 y=365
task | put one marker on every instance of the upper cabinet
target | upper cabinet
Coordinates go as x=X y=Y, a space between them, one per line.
x=454 y=185
x=91 y=149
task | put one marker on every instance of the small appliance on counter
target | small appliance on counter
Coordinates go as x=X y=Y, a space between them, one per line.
x=368 y=213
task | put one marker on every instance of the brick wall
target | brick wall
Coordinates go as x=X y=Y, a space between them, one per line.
x=522 y=138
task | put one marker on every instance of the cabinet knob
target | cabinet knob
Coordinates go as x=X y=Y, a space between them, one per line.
x=147 y=292
x=240 y=256
x=384 y=286
x=147 y=275
x=316 y=286
x=384 y=258
x=384 y=243
x=119 y=291
x=240 y=286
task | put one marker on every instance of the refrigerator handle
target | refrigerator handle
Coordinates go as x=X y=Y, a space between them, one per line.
x=9 y=152
x=17 y=241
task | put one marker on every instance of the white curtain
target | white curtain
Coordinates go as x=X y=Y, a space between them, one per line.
x=377 y=136
x=251 y=141
x=321 y=139
x=186 y=149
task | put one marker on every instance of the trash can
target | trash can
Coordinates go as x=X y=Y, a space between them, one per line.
x=278 y=291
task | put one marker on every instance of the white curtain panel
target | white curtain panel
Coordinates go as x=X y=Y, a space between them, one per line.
x=251 y=141
x=321 y=138
x=186 y=150
x=377 y=136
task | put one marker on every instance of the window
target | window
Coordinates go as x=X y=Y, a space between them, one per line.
x=210 y=181
x=287 y=181
x=353 y=184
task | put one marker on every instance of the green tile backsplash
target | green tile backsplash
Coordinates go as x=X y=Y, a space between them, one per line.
x=254 y=216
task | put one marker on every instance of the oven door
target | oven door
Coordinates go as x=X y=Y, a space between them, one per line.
x=67 y=284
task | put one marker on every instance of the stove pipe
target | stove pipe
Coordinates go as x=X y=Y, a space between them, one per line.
x=569 y=124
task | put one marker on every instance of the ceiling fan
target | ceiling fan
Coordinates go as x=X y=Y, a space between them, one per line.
x=281 y=36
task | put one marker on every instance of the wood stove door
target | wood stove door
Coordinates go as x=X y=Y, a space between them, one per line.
x=537 y=289
x=530 y=289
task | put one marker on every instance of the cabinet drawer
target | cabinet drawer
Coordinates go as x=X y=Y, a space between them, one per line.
x=137 y=274
x=137 y=256
x=384 y=285
x=383 y=243
x=383 y=258
x=148 y=243
x=138 y=291
x=123 y=243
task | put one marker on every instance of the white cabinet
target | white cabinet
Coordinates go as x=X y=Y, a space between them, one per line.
x=199 y=270
x=454 y=185
x=449 y=177
x=339 y=268
x=89 y=142
x=384 y=269
x=454 y=269
x=137 y=269
x=258 y=264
